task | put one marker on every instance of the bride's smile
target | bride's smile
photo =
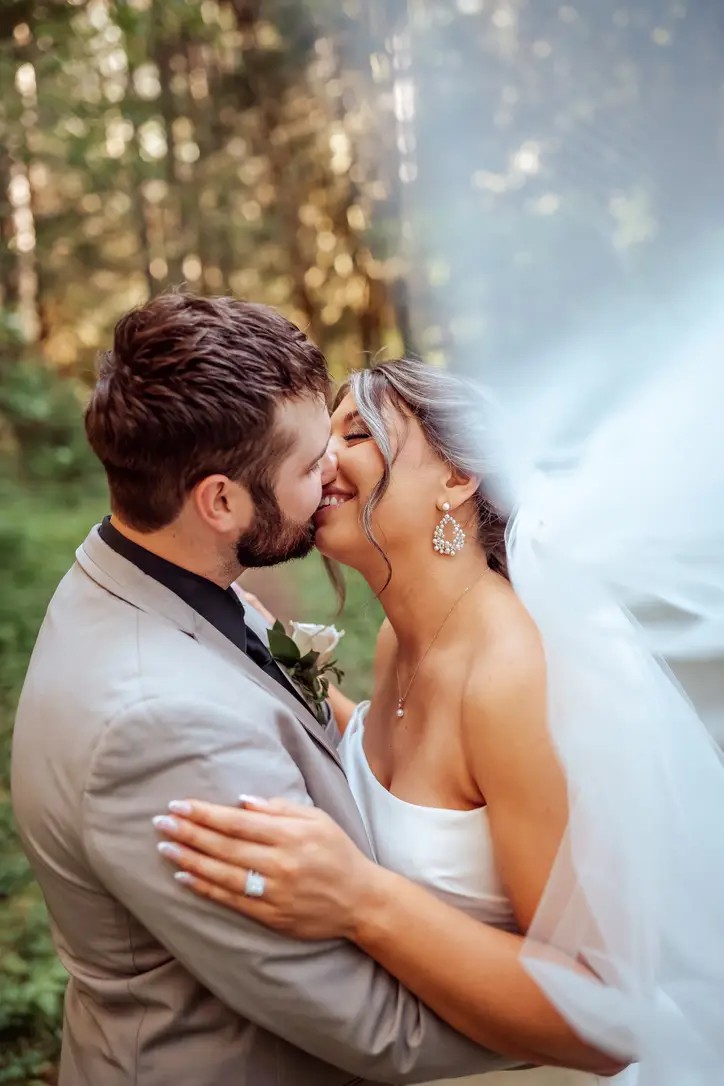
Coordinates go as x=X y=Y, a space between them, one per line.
x=332 y=499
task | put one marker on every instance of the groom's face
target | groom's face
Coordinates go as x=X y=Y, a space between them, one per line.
x=282 y=528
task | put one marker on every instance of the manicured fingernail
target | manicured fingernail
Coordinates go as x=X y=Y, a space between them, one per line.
x=181 y=807
x=165 y=824
x=255 y=800
x=183 y=876
x=171 y=852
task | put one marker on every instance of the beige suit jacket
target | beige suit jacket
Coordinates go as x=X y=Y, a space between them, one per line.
x=131 y=700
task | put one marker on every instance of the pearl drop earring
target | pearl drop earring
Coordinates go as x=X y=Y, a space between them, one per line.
x=454 y=544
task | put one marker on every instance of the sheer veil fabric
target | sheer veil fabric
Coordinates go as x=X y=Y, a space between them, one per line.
x=621 y=515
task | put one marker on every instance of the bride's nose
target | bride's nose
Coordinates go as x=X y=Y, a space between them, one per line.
x=329 y=465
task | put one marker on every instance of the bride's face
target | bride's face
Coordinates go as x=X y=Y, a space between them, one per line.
x=406 y=515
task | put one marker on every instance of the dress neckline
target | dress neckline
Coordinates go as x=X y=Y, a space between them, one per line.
x=355 y=729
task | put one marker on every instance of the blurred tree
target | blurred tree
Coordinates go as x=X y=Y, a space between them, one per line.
x=211 y=142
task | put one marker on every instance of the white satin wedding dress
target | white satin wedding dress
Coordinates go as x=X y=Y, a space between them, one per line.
x=449 y=853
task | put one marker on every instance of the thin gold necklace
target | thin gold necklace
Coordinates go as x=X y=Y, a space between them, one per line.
x=402 y=698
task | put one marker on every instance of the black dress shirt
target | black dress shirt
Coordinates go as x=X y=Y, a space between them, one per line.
x=219 y=606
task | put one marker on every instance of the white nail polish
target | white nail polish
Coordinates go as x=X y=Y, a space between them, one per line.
x=169 y=850
x=180 y=807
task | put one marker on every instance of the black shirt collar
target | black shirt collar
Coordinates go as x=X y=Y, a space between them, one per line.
x=219 y=606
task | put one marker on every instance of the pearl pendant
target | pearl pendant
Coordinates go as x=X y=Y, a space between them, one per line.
x=400 y=713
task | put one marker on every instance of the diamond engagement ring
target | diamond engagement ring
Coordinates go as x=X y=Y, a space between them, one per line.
x=255 y=884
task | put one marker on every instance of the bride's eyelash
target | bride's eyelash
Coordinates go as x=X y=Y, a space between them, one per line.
x=355 y=437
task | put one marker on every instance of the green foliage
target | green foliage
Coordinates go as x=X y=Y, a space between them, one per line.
x=38 y=534
x=31 y=996
x=50 y=493
x=40 y=411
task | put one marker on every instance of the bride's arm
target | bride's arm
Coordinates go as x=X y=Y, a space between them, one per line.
x=342 y=707
x=513 y=762
x=318 y=886
x=470 y=973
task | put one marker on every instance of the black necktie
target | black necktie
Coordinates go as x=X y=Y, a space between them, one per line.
x=257 y=651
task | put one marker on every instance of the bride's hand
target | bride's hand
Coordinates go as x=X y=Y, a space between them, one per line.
x=314 y=875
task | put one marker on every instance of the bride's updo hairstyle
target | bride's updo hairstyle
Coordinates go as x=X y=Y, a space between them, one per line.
x=451 y=413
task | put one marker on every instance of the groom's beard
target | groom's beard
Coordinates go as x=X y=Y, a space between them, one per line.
x=272 y=537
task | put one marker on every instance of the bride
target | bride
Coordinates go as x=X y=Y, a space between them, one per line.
x=466 y=767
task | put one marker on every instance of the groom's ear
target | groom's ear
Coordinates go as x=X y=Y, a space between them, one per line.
x=223 y=505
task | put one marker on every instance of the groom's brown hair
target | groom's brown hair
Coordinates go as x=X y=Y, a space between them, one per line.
x=190 y=388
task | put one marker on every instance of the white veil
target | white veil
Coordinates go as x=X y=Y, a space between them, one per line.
x=629 y=514
x=559 y=168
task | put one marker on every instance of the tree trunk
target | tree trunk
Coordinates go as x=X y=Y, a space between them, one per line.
x=174 y=232
x=9 y=285
x=267 y=97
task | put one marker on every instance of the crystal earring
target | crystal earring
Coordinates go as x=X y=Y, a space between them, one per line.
x=440 y=542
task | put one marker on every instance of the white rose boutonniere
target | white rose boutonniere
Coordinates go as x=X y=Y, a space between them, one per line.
x=323 y=640
x=307 y=653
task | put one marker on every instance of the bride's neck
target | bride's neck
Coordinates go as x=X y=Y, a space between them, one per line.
x=422 y=592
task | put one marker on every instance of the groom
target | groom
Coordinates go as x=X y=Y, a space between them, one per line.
x=149 y=682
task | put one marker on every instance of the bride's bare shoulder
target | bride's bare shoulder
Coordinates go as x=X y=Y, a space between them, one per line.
x=506 y=674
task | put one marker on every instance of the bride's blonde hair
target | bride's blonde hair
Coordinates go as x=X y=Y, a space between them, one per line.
x=451 y=413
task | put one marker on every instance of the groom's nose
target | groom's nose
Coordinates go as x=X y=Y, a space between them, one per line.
x=329 y=466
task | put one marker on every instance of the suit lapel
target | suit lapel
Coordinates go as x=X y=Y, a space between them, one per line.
x=117 y=575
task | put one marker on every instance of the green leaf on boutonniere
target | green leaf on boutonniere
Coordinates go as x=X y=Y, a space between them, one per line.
x=282 y=647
